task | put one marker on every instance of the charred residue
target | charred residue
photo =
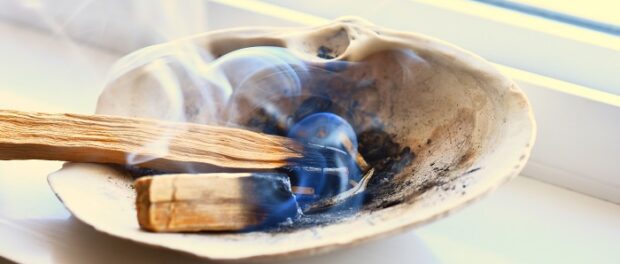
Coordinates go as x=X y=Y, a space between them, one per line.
x=136 y=172
x=355 y=98
x=389 y=159
x=325 y=53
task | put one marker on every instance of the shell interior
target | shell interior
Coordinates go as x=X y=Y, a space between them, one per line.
x=452 y=127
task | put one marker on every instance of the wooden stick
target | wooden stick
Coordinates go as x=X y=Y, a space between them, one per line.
x=161 y=145
x=301 y=190
x=359 y=159
x=341 y=197
x=213 y=202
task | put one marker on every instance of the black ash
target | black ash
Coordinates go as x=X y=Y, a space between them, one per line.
x=325 y=53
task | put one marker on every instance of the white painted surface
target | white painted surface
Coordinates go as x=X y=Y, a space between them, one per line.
x=45 y=73
x=524 y=222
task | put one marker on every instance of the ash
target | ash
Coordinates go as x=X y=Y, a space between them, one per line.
x=313 y=220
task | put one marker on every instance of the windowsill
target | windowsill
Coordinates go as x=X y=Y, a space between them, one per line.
x=525 y=221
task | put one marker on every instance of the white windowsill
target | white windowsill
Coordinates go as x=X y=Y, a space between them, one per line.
x=525 y=221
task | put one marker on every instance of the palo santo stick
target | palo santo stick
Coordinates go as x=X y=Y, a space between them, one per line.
x=300 y=190
x=165 y=145
x=213 y=202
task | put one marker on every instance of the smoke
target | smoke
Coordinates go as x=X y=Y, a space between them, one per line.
x=266 y=89
x=324 y=104
x=169 y=85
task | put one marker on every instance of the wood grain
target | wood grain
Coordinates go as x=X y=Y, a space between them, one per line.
x=213 y=201
x=121 y=140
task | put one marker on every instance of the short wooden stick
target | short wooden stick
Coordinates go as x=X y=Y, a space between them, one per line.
x=213 y=202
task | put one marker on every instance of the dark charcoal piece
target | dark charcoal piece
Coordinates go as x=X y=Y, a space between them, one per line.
x=382 y=184
x=392 y=166
x=376 y=145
